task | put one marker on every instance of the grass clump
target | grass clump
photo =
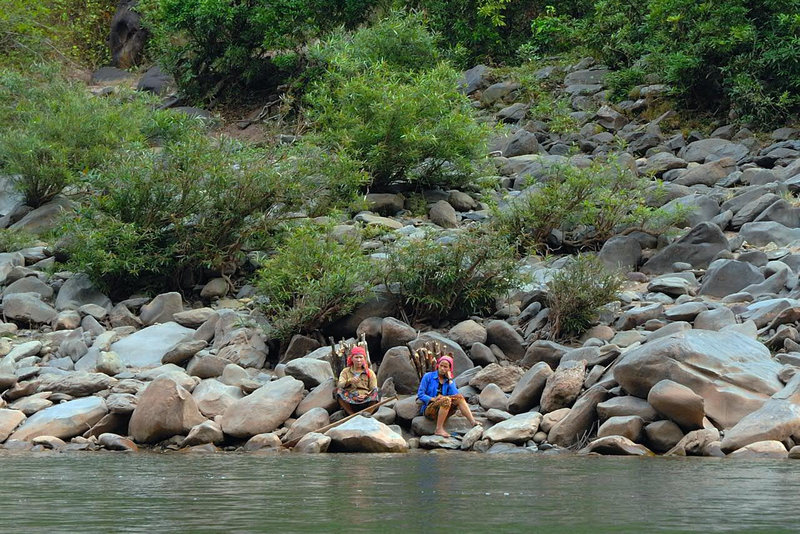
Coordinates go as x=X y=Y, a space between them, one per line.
x=577 y=293
x=435 y=281
x=312 y=280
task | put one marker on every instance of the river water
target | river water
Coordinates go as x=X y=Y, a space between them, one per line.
x=416 y=492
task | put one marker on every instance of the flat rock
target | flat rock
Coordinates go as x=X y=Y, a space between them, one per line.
x=697 y=248
x=63 y=420
x=9 y=420
x=147 y=347
x=616 y=445
x=80 y=290
x=161 y=308
x=28 y=307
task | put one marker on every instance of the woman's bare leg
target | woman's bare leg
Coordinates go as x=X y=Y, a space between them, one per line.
x=464 y=407
x=444 y=413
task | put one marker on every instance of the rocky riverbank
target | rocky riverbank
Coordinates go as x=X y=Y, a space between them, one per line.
x=697 y=357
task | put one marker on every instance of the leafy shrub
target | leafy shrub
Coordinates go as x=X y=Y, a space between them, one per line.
x=587 y=205
x=434 y=281
x=14 y=240
x=404 y=125
x=84 y=27
x=312 y=280
x=157 y=215
x=577 y=292
x=485 y=30
x=715 y=55
x=216 y=46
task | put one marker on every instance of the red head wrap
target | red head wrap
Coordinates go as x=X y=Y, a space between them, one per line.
x=357 y=350
x=448 y=359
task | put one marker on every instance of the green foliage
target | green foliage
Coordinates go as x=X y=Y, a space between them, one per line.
x=715 y=54
x=404 y=124
x=37 y=30
x=59 y=134
x=14 y=240
x=482 y=30
x=435 y=281
x=588 y=205
x=577 y=292
x=311 y=280
x=159 y=214
x=214 y=47
x=550 y=33
x=621 y=82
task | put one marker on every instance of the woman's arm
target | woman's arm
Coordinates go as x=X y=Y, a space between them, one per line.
x=373 y=381
x=423 y=386
x=343 y=378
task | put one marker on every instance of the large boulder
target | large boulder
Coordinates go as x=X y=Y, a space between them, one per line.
x=697 y=248
x=506 y=378
x=164 y=409
x=563 y=386
x=9 y=420
x=147 y=347
x=78 y=384
x=397 y=366
x=578 y=422
x=213 y=397
x=80 y=290
x=312 y=420
x=777 y=419
x=517 y=429
x=28 y=307
x=310 y=371
x=733 y=374
x=725 y=277
x=64 y=421
x=503 y=335
x=362 y=434
x=528 y=391
x=678 y=404
x=264 y=410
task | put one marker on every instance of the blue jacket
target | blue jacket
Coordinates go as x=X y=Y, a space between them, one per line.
x=428 y=387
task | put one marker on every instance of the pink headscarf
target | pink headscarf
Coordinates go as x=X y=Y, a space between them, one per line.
x=448 y=359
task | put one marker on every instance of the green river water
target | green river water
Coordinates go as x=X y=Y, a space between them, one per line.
x=416 y=492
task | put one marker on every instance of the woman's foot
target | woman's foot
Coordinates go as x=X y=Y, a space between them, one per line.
x=475 y=423
x=442 y=433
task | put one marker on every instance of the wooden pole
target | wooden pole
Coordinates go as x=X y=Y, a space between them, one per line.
x=368 y=409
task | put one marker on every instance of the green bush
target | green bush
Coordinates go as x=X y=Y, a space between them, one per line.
x=404 y=125
x=588 y=205
x=14 y=240
x=733 y=53
x=485 y=30
x=60 y=133
x=577 y=292
x=157 y=215
x=312 y=280
x=435 y=281
x=214 y=47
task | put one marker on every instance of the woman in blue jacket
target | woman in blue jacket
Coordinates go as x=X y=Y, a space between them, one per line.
x=440 y=397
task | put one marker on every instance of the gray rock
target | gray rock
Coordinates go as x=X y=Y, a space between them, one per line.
x=313 y=443
x=468 y=332
x=504 y=336
x=777 y=419
x=310 y=371
x=518 y=429
x=395 y=333
x=205 y=432
x=9 y=420
x=397 y=365
x=213 y=397
x=520 y=143
x=310 y=421
x=708 y=173
x=678 y=404
x=492 y=396
x=713 y=149
x=62 y=420
x=764 y=232
x=299 y=346
x=362 y=434
x=183 y=351
x=563 y=386
x=506 y=378
x=528 y=391
x=725 y=277
x=80 y=290
x=716 y=319
x=443 y=214
x=697 y=248
x=319 y=397
x=29 y=284
x=626 y=406
x=164 y=409
x=580 y=418
x=147 y=347
x=621 y=253
x=264 y=410
x=27 y=307
x=616 y=445
x=161 y=308
x=734 y=374
x=628 y=426
x=663 y=435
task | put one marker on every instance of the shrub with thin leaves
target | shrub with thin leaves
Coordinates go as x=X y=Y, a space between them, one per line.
x=576 y=294
x=588 y=205
x=158 y=215
x=405 y=125
x=311 y=280
x=436 y=281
